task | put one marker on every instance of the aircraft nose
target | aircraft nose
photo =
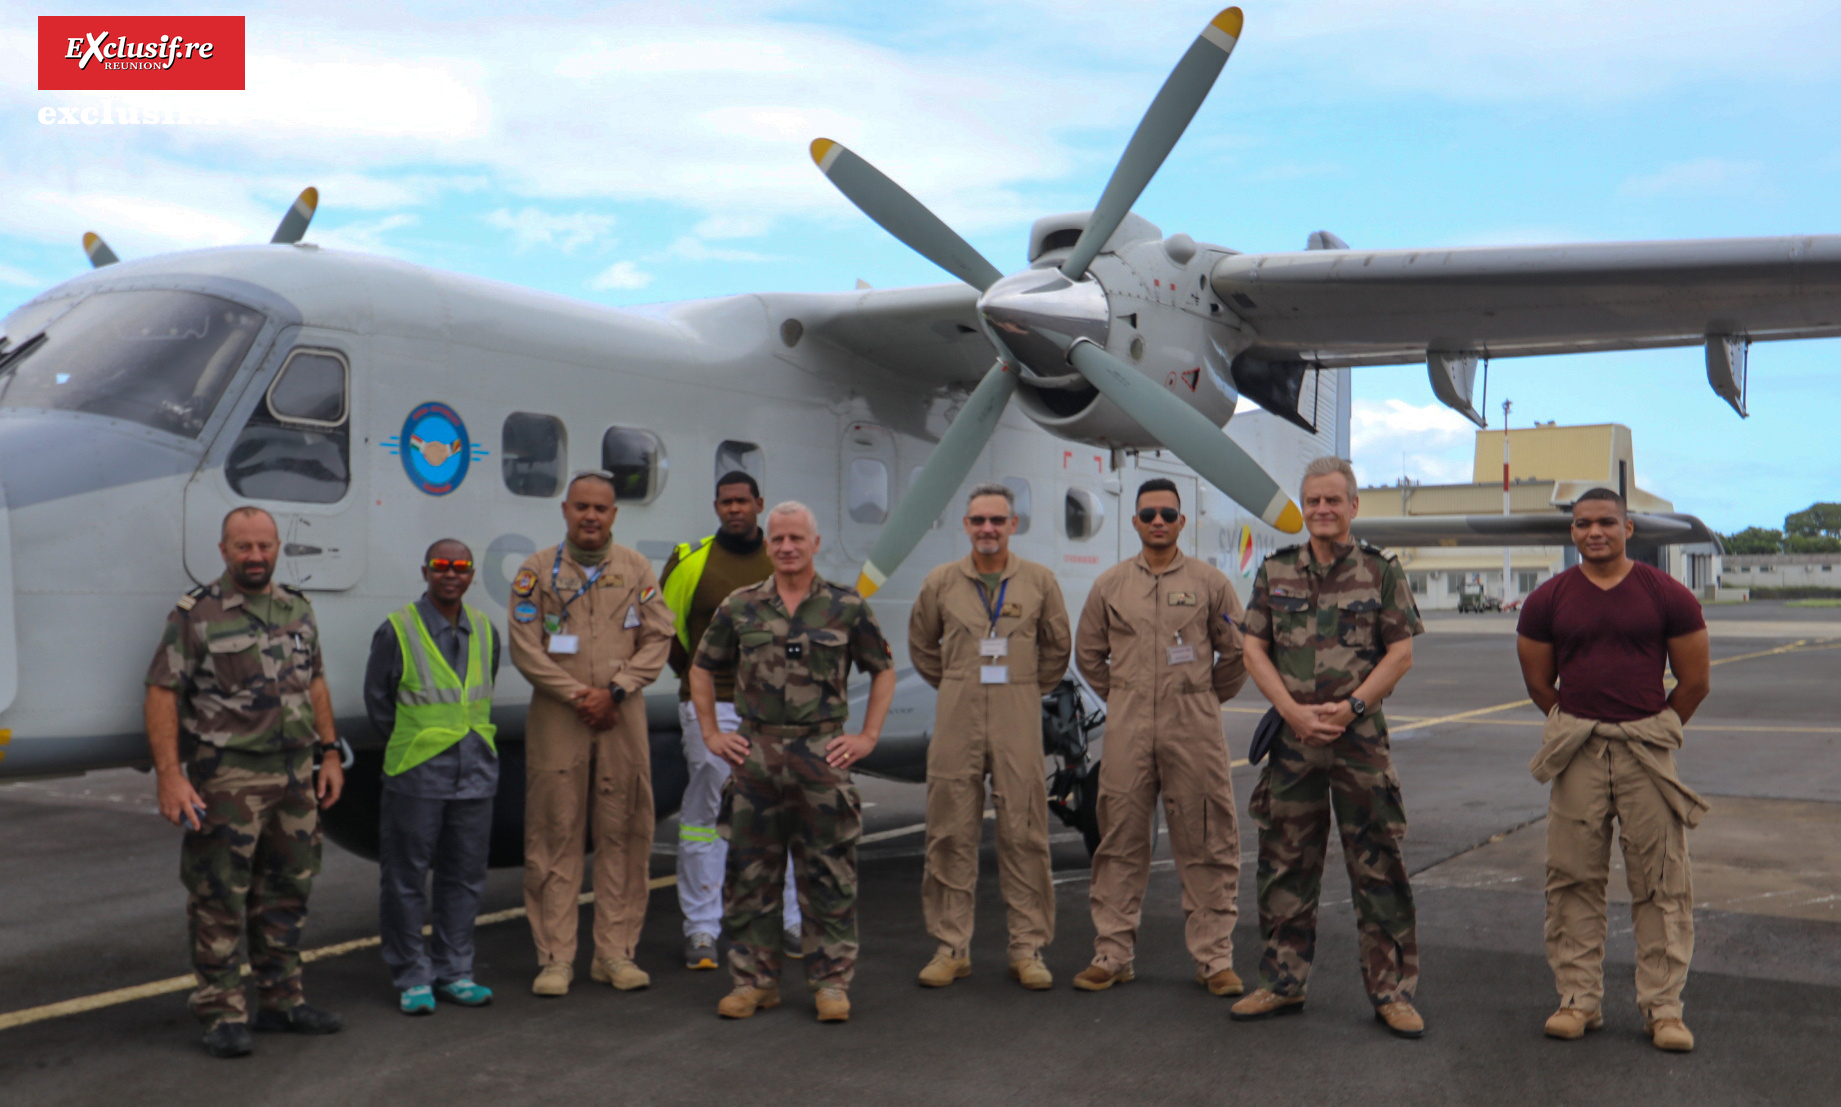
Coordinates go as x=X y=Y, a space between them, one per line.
x=1037 y=314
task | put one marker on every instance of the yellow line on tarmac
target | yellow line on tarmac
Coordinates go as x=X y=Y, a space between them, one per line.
x=171 y=984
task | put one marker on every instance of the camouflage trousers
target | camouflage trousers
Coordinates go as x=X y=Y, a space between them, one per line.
x=1300 y=787
x=248 y=870
x=785 y=799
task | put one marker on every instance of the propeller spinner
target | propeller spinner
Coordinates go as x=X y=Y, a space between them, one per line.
x=1046 y=321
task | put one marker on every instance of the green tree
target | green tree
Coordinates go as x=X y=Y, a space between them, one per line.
x=1813 y=543
x=1754 y=540
x=1816 y=519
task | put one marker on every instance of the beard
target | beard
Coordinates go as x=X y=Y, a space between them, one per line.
x=252 y=575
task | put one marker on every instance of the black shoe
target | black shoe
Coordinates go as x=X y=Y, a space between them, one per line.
x=228 y=1039
x=299 y=1019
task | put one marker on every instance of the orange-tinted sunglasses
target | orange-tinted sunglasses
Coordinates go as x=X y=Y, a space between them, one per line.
x=449 y=565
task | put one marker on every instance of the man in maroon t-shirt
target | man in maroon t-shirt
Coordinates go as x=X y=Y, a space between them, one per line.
x=1603 y=630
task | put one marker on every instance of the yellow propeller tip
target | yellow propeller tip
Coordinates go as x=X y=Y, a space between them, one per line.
x=310 y=196
x=1290 y=520
x=90 y=238
x=866 y=587
x=821 y=149
x=1229 y=21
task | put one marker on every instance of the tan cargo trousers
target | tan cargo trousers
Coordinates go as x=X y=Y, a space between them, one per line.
x=1606 y=781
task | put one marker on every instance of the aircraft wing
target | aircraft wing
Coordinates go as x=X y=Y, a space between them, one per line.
x=929 y=333
x=1652 y=528
x=1388 y=307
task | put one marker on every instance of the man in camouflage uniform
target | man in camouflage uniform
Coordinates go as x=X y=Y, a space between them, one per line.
x=237 y=715
x=1329 y=632
x=790 y=641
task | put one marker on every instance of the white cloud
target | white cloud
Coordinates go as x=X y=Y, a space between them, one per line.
x=621 y=275
x=691 y=248
x=531 y=227
x=1425 y=442
x=19 y=278
x=1700 y=177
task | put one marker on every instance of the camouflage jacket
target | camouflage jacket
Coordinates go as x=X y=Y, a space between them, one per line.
x=241 y=666
x=1330 y=624
x=793 y=669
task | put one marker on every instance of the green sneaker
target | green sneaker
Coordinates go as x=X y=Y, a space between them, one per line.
x=466 y=993
x=418 y=1001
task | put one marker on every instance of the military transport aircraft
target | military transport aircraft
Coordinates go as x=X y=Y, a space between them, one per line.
x=373 y=405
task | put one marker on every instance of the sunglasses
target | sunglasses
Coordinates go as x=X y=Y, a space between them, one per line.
x=449 y=565
x=1150 y=514
x=981 y=520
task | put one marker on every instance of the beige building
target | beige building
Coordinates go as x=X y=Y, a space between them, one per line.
x=1549 y=467
x=1821 y=570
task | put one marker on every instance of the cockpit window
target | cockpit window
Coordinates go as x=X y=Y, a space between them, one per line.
x=158 y=357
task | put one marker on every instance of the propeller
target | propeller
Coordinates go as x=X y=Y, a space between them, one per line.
x=98 y=250
x=294 y=224
x=1041 y=318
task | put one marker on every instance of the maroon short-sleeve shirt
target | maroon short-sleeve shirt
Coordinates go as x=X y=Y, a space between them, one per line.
x=1611 y=646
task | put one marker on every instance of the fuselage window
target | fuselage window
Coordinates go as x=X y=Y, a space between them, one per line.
x=866 y=490
x=636 y=458
x=1025 y=505
x=533 y=449
x=1084 y=514
x=296 y=446
x=745 y=456
x=158 y=357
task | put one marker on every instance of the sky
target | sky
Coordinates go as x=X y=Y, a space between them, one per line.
x=635 y=153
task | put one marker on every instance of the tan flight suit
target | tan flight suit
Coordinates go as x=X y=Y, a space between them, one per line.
x=993 y=729
x=1624 y=771
x=1163 y=733
x=565 y=762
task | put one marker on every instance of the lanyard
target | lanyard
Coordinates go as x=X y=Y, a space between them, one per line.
x=556 y=567
x=994 y=611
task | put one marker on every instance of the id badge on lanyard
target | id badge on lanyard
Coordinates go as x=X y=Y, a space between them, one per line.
x=567 y=643
x=992 y=648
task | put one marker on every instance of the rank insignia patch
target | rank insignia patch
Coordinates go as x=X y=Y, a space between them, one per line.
x=525 y=583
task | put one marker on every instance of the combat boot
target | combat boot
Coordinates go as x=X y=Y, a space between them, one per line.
x=1031 y=973
x=1401 y=1018
x=1571 y=1023
x=1097 y=978
x=745 y=1000
x=833 y=1004
x=1224 y=983
x=554 y=979
x=1671 y=1035
x=301 y=1018
x=944 y=969
x=228 y=1039
x=1264 y=1003
x=622 y=974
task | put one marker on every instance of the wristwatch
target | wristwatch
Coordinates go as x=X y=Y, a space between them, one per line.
x=616 y=691
x=1358 y=705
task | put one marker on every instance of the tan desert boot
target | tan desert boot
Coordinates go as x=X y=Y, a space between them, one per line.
x=944 y=969
x=745 y=1000
x=1401 y=1018
x=833 y=1004
x=1265 y=1004
x=1224 y=983
x=1032 y=974
x=1097 y=978
x=623 y=975
x=553 y=980
x=1570 y=1023
x=1671 y=1035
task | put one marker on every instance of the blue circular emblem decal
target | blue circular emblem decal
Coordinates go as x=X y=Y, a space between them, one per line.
x=435 y=448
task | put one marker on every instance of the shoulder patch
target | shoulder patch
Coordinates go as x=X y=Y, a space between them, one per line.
x=647 y=595
x=188 y=601
x=525 y=612
x=525 y=583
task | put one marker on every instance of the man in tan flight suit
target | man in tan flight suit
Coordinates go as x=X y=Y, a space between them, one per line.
x=589 y=631
x=1158 y=639
x=990 y=631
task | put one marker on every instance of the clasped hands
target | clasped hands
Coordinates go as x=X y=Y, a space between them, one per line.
x=1318 y=724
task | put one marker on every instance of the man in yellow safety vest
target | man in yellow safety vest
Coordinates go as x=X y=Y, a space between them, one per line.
x=428 y=686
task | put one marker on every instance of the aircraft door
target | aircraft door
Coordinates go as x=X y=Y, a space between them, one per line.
x=289 y=449
x=866 y=468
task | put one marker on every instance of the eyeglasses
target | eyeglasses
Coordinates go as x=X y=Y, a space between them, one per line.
x=449 y=565
x=981 y=520
x=1150 y=514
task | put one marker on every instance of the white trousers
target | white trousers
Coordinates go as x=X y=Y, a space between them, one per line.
x=701 y=851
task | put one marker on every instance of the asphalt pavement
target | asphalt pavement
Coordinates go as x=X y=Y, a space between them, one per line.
x=90 y=904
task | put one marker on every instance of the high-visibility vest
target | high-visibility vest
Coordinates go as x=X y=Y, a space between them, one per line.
x=681 y=586
x=434 y=707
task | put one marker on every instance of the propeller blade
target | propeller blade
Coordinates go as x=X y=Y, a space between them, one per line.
x=294 y=224
x=1163 y=123
x=98 y=250
x=1188 y=434
x=940 y=478
x=901 y=215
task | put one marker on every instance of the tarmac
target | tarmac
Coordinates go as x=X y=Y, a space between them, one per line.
x=92 y=954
